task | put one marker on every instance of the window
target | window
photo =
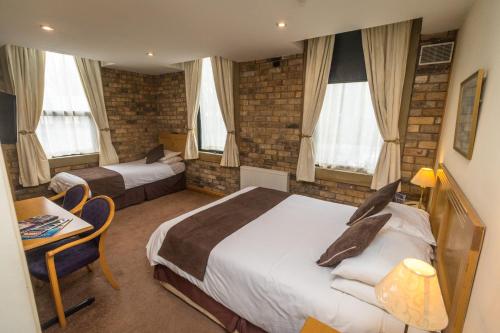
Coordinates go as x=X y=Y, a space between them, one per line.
x=211 y=129
x=66 y=126
x=347 y=136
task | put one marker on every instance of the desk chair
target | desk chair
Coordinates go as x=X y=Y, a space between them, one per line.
x=57 y=261
x=73 y=199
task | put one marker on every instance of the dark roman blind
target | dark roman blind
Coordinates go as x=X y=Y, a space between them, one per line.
x=348 y=62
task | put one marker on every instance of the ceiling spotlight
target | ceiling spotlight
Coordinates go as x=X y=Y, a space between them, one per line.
x=281 y=24
x=150 y=54
x=47 y=28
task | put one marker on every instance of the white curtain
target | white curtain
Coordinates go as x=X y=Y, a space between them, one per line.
x=192 y=75
x=318 y=60
x=223 y=77
x=26 y=70
x=90 y=76
x=213 y=130
x=385 y=50
x=66 y=126
x=346 y=136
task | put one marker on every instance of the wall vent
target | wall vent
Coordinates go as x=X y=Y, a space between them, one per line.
x=440 y=53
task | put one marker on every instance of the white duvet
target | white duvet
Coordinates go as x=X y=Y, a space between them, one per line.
x=134 y=174
x=266 y=271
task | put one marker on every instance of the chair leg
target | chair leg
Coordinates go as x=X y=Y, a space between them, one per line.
x=56 y=293
x=107 y=272
x=104 y=264
x=89 y=268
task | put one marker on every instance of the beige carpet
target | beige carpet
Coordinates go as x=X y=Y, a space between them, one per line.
x=141 y=305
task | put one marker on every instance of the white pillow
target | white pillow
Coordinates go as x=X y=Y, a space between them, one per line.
x=357 y=289
x=169 y=154
x=409 y=220
x=387 y=249
x=171 y=160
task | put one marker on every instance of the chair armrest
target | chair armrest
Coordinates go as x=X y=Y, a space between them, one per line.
x=57 y=196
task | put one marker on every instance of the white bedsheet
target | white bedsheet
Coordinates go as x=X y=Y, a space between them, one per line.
x=266 y=271
x=134 y=174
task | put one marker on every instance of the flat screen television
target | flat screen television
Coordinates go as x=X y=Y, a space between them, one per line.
x=8 y=126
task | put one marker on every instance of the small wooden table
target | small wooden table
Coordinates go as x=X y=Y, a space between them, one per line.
x=315 y=326
x=43 y=206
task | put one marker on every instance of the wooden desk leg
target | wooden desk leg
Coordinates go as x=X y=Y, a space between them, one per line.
x=56 y=293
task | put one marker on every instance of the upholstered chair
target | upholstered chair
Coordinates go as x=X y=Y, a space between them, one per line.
x=67 y=256
x=73 y=199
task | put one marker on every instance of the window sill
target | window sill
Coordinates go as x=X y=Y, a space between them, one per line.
x=64 y=161
x=347 y=177
x=210 y=157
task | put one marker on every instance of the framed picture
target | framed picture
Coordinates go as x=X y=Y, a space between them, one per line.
x=468 y=114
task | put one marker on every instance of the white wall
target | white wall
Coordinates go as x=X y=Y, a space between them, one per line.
x=478 y=46
x=17 y=306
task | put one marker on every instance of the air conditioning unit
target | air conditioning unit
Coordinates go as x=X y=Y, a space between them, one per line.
x=440 y=53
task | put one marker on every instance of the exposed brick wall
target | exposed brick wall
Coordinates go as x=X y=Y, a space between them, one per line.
x=132 y=111
x=270 y=115
x=426 y=114
x=270 y=98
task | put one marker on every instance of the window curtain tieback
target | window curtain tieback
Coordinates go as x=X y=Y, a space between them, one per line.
x=104 y=129
x=230 y=132
x=306 y=136
x=23 y=132
x=396 y=141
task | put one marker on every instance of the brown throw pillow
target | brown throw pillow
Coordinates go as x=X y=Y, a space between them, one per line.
x=353 y=241
x=375 y=202
x=155 y=154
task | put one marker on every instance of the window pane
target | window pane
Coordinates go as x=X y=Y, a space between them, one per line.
x=347 y=136
x=213 y=130
x=66 y=126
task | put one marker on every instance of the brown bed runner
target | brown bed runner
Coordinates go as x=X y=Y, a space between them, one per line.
x=102 y=181
x=188 y=243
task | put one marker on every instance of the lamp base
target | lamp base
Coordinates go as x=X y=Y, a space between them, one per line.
x=406 y=328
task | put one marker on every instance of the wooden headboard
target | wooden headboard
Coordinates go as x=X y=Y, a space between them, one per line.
x=173 y=141
x=459 y=233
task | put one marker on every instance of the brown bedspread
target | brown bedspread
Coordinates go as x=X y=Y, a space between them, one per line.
x=102 y=181
x=188 y=243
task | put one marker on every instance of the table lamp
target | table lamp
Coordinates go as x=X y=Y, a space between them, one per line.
x=411 y=293
x=424 y=178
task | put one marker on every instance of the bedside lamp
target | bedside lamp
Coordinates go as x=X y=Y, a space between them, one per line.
x=411 y=293
x=424 y=178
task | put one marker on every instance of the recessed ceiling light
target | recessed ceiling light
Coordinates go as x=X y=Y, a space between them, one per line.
x=47 y=28
x=281 y=24
x=150 y=54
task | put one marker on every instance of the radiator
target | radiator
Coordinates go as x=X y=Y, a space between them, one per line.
x=251 y=176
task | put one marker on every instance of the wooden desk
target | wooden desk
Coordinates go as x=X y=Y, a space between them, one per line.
x=43 y=206
x=315 y=326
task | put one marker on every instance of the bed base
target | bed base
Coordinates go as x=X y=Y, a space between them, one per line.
x=136 y=195
x=200 y=301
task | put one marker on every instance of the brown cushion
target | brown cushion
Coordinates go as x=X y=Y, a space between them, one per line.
x=155 y=154
x=353 y=241
x=375 y=202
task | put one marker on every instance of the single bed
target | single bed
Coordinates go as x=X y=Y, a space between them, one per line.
x=132 y=182
x=264 y=277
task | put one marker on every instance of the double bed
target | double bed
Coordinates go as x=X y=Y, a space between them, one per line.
x=132 y=182
x=264 y=278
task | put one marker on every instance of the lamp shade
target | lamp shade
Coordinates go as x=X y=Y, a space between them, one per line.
x=425 y=177
x=411 y=293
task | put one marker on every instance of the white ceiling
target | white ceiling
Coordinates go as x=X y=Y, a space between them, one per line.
x=122 y=31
